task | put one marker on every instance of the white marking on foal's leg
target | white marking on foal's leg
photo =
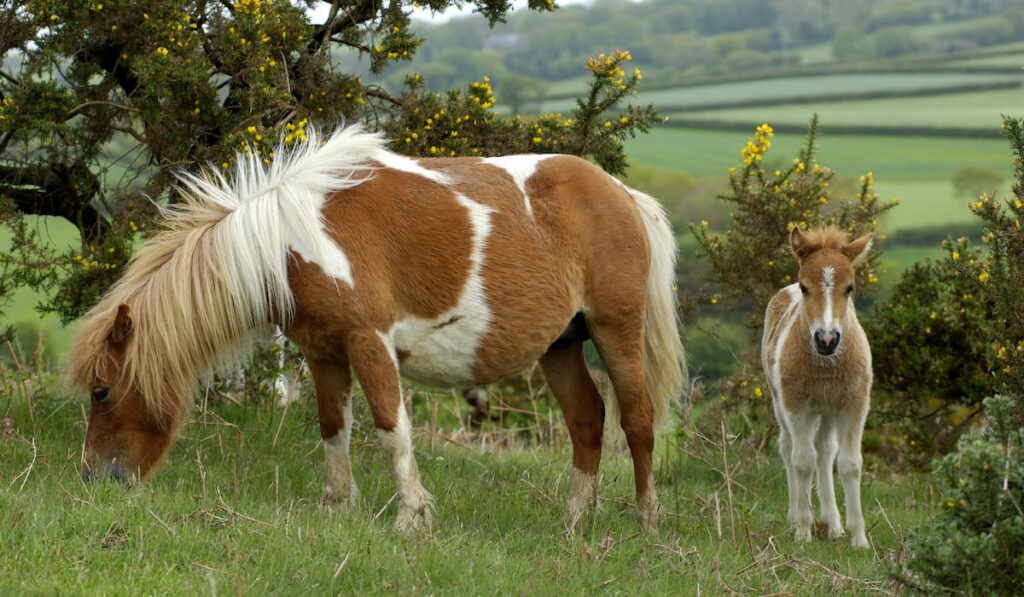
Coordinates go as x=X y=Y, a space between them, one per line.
x=786 y=452
x=826 y=445
x=414 y=503
x=582 y=496
x=849 y=430
x=339 y=487
x=804 y=428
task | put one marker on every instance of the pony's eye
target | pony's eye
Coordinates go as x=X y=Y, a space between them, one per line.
x=849 y=289
x=99 y=393
x=803 y=289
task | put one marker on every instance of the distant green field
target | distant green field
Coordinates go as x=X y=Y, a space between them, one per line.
x=22 y=307
x=916 y=169
x=796 y=86
x=960 y=110
x=1000 y=60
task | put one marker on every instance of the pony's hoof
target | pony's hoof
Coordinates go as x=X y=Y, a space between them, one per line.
x=649 y=512
x=803 y=534
x=835 y=529
x=860 y=541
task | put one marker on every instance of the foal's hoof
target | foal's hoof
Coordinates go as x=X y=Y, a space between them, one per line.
x=339 y=498
x=859 y=541
x=414 y=519
x=803 y=534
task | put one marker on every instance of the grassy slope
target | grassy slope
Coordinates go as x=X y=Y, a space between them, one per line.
x=233 y=512
x=963 y=110
x=796 y=86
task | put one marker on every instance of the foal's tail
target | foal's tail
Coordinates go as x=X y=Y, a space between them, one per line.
x=664 y=358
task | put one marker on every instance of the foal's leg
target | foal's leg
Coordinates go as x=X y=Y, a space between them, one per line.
x=804 y=428
x=850 y=428
x=825 y=442
x=566 y=373
x=619 y=340
x=333 y=381
x=786 y=452
x=374 y=363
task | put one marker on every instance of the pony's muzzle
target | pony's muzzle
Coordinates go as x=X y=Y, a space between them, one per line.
x=826 y=342
x=112 y=471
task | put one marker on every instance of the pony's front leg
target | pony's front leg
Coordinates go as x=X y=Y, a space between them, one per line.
x=333 y=381
x=804 y=427
x=825 y=442
x=375 y=364
x=850 y=428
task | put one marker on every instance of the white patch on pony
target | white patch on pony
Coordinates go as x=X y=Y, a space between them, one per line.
x=520 y=168
x=828 y=282
x=339 y=486
x=414 y=502
x=787 y=321
x=404 y=164
x=582 y=496
x=442 y=351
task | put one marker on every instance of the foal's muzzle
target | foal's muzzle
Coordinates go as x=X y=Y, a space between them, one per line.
x=826 y=342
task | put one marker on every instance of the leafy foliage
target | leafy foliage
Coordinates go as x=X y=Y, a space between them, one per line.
x=750 y=261
x=976 y=542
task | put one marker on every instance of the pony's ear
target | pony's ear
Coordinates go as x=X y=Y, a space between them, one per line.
x=122 y=328
x=858 y=249
x=798 y=244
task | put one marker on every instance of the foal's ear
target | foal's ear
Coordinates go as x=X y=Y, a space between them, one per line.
x=798 y=243
x=122 y=328
x=858 y=249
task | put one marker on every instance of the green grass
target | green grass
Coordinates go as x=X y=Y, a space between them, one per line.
x=236 y=510
x=999 y=60
x=981 y=110
x=795 y=87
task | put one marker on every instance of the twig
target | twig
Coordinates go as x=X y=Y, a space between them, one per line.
x=385 y=506
x=232 y=512
x=162 y=523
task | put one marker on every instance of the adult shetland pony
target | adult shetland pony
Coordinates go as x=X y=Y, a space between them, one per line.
x=818 y=362
x=451 y=272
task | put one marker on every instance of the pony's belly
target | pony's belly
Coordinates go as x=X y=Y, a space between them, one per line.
x=440 y=351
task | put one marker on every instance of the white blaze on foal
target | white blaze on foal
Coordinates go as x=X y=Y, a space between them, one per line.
x=818 y=363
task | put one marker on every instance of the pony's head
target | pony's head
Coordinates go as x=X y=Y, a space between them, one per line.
x=128 y=432
x=826 y=282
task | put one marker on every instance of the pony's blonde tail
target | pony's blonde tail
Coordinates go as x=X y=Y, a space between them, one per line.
x=665 y=370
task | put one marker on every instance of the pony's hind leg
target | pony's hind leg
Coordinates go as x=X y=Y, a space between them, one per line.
x=786 y=452
x=825 y=443
x=850 y=428
x=333 y=381
x=375 y=365
x=620 y=342
x=566 y=373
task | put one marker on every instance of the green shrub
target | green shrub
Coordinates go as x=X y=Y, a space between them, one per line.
x=976 y=542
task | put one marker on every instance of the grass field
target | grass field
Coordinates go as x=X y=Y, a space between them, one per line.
x=999 y=60
x=916 y=169
x=794 y=87
x=236 y=510
x=980 y=110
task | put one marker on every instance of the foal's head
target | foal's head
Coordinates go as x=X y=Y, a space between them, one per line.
x=128 y=434
x=826 y=282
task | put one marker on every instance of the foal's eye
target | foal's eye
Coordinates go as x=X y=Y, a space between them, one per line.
x=804 y=290
x=99 y=393
x=849 y=289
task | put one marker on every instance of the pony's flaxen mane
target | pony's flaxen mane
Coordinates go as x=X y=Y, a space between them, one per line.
x=198 y=290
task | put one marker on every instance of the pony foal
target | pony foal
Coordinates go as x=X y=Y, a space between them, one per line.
x=452 y=272
x=818 y=363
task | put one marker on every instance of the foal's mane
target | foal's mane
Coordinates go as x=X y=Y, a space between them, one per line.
x=200 y=290
x=824 y=237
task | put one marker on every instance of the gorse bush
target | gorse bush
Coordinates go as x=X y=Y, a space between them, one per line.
x=750 y=260
x=931 y=349
x=975 y=544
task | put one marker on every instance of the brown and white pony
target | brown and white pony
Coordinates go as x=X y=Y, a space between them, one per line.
x=451 y=272
x=818 y=364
